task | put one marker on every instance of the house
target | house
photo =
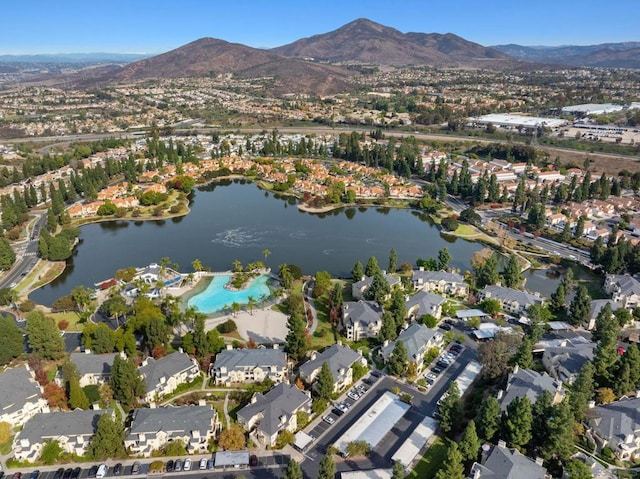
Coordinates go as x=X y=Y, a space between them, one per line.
x=149 y=274
x=94 y=369
x=616 y=425
x=513 y=301
x=73 y=430
x=624 y=289
x=507 y=463
x=162 y=376
x=527 y=382
x=268 y=414
x=361 y=319
x=153 y=428
x=441 y=282
x=565 y=361
x=20 y=396
x=596 y=307
x=424 y=302
x=249 y=365
x=417 y=339
x=360 y=288
x=340 y=360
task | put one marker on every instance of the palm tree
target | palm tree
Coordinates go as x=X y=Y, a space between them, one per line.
x=252 y=304
x=197 y=265
x=190 y=278
x=235 y=307
x=237 y=266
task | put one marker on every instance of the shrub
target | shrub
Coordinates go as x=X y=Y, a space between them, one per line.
x=228 y=326
x=450 y=224
x=63 y=324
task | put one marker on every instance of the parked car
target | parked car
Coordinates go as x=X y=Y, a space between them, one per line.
x=253 y=460
x=76 y=473
x=442 y=364
x=203 y=463
x=34 y=474
x=178 y=465
x=169 y=466
x=210 y=464
x=17 y=475
x=102 y=471
x=135 y=468
x=187 y=464
x=60 y=472
x=456 y=347
x=368 y=381
x=67 y=473
x=352 y=395
x=117 y=469
x=1 y=474
x=375 y=374
x=93 y=470
x=328 y=419
x=337 y=412
x=437 y=370
x=445 y=326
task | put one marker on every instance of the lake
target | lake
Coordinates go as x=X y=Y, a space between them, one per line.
x=237 y=220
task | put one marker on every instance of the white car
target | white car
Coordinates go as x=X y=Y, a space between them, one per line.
x=187 y=465
x=203 y=463
x=352 y=395
x=328 y=419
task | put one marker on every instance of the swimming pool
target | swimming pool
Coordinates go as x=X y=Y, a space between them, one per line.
x=216 y=297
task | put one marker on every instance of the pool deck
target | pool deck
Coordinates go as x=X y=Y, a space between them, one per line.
x=263 y=326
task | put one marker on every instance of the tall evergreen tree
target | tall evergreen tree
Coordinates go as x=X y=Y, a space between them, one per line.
x=126 y=382
x=325 y=383
x=357 y=272
x=77 y=397
x=489 y=418
x=393 y=261
x=372 y=266
x=293 y=470
x=327 y=468
x=450 y=409
x=296 y=341
x=44 y=336
x=517 y=422
x=582 y=391
x=444 y=257
x=559 y=443
x=10 y=340
x=580 y=307
x=108 y=441
x=453 y=467
x=512 y=274
x=398 y=360
x=470 y=442
x=558 y=303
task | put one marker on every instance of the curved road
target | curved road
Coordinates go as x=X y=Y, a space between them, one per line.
x=26 y=256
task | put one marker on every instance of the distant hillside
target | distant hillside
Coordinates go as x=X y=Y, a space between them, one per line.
x=611 y=55
x=368 y=42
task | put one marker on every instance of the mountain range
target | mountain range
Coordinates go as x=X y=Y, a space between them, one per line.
x=325 y=63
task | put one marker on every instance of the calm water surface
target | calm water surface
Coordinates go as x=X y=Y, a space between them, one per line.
x=230 y=221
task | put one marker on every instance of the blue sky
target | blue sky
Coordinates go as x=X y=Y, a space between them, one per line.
x=154 y=26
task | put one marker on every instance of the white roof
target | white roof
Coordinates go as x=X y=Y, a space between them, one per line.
x=375 y=423
x=592 y=108
x=560 y=325
x=470 y=313
x=510 y=119
x=414 y=443
x=302 y=440
x=370 y=474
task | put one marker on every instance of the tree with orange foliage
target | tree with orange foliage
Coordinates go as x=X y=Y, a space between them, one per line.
x=55 y=396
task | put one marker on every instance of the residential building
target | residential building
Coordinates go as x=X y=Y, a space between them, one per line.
x=417 y=339
x=361 y=319
x=360 y=288
x=162 y=376
x=153 y=428
x=530 y=383
x=441 y=282
x=340 y=360
x=596 y=307
x=94 y=369
x=624 y=289
x=513 y=301
x=507 y=463
x=564 y=362
x=269 y=414
x=424 y=302
x=616 y=425
x=73 y=430
x=249 y=365
x=20 y=396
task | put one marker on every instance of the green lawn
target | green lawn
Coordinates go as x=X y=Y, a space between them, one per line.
x=465 y=230
x=71 y=317
x=6 y=447
x=431 y=462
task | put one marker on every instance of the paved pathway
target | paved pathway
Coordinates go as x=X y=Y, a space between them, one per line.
x=225 y=410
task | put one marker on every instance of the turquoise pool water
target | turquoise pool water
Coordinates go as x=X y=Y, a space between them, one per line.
x=216 y=297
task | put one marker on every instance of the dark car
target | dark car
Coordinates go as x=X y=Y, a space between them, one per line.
x=59 y=473
x=117 y=469
x=456 y=347
x=253 y=460
x=1 y=474
x=368 y=381
x=442 y=364
x=169 y=466
x=375 y=374
x=337 y=411
x=135 y=468
x=76 y=473
x=67 y=473
x=93 y=471
x=34 y=474
x=445 y=326
x=210 y=464
x=436 y=369
x=17 y=475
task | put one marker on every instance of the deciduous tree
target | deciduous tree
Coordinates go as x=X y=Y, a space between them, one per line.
x=232 y=439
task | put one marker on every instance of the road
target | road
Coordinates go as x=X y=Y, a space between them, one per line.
x=423 y=404
x=26 y=256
